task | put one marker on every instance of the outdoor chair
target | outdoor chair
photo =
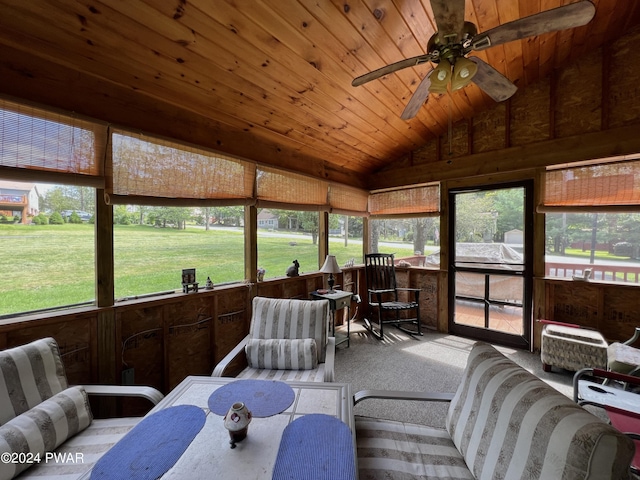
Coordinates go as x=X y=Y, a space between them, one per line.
x=288 y=340
x=622 y=407
x=385 y=303
x=42 y=414
x=622 y=357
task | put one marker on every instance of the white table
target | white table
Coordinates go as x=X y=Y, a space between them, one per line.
x=210 y=456
x=590 y=393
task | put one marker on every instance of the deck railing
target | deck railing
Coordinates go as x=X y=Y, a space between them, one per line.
x=611 y=272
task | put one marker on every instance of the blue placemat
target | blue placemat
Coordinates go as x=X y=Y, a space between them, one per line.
x=153 y=446
x=263 y=398
x=316 y=447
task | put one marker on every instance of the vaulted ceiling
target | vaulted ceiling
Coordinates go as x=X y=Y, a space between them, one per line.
x=271 y=79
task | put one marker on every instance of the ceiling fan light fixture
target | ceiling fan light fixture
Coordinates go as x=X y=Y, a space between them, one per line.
x=463 y=72
x=440 y=78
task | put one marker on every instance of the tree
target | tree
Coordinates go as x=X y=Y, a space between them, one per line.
x=309 y=221
x=420 y=237
x=175 y=217
x=474 y=218
x=374 y=233
x=509 y=205
x=68 y=197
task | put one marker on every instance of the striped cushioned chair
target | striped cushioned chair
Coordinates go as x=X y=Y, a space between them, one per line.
x=40 y=413
x=502 y=423
x=288 y=340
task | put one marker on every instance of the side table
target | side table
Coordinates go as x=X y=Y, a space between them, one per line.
x=337 y=301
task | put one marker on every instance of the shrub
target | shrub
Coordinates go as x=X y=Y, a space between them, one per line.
x=623 y=249
x=75 y=218
x=56 y=219
x=40 y=219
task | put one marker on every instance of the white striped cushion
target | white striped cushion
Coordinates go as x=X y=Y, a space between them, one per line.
x=289 y=319
x=78 y=454
x=297 y=354
x=509 y=424
x=389 y=449
x=29 y=374
x=44 y=427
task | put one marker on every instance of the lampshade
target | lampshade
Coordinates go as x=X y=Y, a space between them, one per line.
x=440 y=77
x=463 y=71
x=330 y=265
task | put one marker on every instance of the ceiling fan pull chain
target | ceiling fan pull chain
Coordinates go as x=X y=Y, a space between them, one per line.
x=450 y=127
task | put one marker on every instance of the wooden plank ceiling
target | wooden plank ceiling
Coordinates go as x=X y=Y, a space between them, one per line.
x=282 y=69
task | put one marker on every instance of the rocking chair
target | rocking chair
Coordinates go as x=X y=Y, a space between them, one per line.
x=384 y=301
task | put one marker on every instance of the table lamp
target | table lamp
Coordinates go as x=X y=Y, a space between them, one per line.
x=330 y=266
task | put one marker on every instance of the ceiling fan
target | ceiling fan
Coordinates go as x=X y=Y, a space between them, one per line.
x=455 y=39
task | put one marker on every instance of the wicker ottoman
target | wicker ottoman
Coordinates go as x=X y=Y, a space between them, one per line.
x=572 y=348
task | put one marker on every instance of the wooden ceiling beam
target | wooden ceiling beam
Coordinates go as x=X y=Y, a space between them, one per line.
x=589 y=146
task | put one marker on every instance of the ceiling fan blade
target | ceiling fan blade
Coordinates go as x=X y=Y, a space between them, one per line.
x=567 y=16
x=494 y=84
x=418 y=98
x=449 y=17
x=393 y=67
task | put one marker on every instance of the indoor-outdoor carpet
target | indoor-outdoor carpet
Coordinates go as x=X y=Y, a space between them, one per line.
x=153 y=446
x=431 y=363
x=316 y=447
x=263 y=398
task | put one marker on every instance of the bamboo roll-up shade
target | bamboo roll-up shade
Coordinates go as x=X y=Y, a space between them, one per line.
x=43 y=140
x=143 y=166
x=275 y=186
x=416 y=200
x=607 y=184
x=345 y=198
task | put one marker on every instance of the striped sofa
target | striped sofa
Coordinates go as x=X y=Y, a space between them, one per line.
x=288 y=340
x=502 y=423
x=47 y=428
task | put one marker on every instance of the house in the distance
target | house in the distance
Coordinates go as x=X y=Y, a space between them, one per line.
x=266 y=219
x=18 y=198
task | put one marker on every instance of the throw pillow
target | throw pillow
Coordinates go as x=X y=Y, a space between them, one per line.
x=42 y=429
x=280 y=354
x=32 y=373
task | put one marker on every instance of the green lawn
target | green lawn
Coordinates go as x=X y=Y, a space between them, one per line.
x=600 y=254
x=53 y=265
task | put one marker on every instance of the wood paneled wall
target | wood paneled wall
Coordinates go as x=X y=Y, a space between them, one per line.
x=164 y=339
x=586 y=110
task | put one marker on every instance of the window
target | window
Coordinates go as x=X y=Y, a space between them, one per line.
x=285 y=236
x=345 y=238
x=153 y=244
x=48 y=257
x=46 y=221
x=605 y=244
x=592 y=221
x=405 y=222
x=175 y=207
x=415 y=240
